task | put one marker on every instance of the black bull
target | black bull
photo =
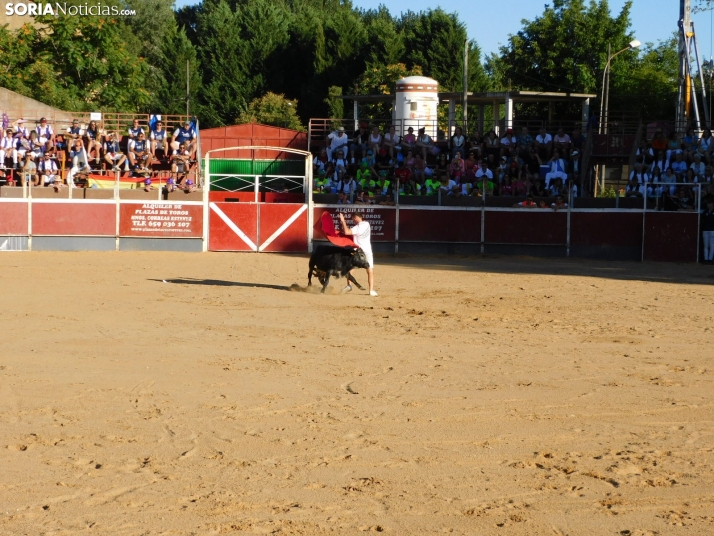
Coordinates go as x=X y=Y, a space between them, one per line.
x=335 y=261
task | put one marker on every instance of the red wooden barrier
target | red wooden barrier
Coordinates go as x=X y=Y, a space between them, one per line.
x=74 y=219
x=526 y=226
x=233 y=227
x=671 y=236
x=283 y=227
x=13 y=218
x=606 y=229
x=417 y=225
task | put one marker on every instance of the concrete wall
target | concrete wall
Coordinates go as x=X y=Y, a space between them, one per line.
x=20 y=107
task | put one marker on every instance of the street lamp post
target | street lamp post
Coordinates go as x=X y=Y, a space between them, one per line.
x=605 y=95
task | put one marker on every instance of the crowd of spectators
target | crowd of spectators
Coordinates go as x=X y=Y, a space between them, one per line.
x=42 y=156
x=515 y=164
x=674 y=168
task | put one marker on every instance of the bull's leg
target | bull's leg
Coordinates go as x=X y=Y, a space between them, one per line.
x=309 y=275
x=351 y=279
x=327 y=281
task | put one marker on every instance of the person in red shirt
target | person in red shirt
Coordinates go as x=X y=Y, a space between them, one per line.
x=405 y=177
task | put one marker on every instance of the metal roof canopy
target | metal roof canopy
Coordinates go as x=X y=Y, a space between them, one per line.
x=487 y=97
x=490 y=98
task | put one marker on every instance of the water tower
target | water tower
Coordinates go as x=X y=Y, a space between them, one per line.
x=415 y=106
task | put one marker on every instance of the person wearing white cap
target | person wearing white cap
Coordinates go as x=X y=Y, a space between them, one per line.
x=337 y=141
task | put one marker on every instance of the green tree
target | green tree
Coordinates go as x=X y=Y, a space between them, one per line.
x=381 y=79
x=272 y=109
x=334 y=103
x=176 y=51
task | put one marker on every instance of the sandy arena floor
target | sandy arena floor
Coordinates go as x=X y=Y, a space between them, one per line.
x=475 y=396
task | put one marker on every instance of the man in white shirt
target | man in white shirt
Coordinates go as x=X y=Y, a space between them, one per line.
x=48 y=170
x=483 y=170
x=361 y=233
x=45 y=134
x=337 y=141
x=543 y=143
x=557 y=169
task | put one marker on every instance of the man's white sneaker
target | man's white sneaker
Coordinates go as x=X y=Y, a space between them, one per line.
x=348 y=288
x=373 y=293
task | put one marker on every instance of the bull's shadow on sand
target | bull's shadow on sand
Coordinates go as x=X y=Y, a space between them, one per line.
x=219 y=283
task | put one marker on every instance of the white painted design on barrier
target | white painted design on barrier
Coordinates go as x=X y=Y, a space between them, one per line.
x=233 y=227
x=282 y=228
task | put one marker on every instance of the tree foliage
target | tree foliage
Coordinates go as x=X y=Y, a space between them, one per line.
x=272 y=109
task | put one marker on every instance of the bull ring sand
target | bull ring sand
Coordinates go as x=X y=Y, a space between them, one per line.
x=509 y=396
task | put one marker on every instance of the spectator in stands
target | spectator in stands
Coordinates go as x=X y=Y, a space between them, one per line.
x=508 y=143
x=347 y=185
x=409 y=141
x=708 y=175
x=543 y=144
x=559 y=203
x=112 y=155
x=29 y=171
x=406 y=180
x=339 y=166
x=384 y=163
x=670 y=179
x=656 y=175
x=491 y=144
x=21 y=148
x=633 y=188
x=483 y=170
x=363 y=199
x=536 y=189
x=520 y=187
x=661 y=161
x=442 y=165
x=74 y=132
x=426 y=144
x=79 y=161
x=556 y=188
x=528 y=203
x=337 y=141
x=388 y=200
x=458 y=142
x=319 y=162
x=659 y=141
x=159 y=139
x=704 y=146
x=679 y=166
x=639 y=175
x=180 y=163
x=558 y=168
x=574 y=163
x=562 y=142
x=375 y=140
x=475 y=144
x=507 y=185
x=689 y=144
x=674 y=146
x=418 y=169
x=365 y=177
x=139 y=151
x=698 y=167
x=360 y=140
x=48 y=170
x=457 y=169
x=470 y=166
x=134 y=130
x=93 y=137
x=707 y=226
x=321 y=183
x=645 y=155
x=7 y=144
x=19 y=129
x=45 y=134
x=448 y=186
x=525 y=141
x=382 y=185
x=186 y=135
x=571 y=189
x=533 y=162
x=391 y=141
x=343 y=199
x=484 y=186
